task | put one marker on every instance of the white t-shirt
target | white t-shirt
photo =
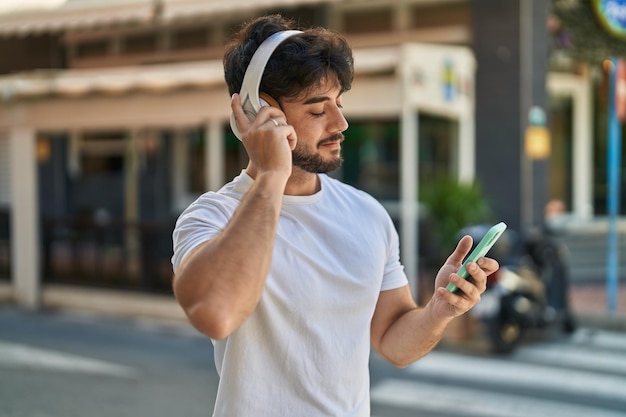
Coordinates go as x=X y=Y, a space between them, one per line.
x=304 y=351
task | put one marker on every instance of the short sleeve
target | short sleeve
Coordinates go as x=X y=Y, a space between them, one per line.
x=394 y=274
x=200 y=222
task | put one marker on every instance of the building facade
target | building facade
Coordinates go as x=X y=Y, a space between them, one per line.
x=114 y=117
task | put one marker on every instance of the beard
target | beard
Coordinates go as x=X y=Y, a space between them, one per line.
x=314 y=162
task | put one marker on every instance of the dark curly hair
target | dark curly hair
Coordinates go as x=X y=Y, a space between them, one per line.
x=299 y=64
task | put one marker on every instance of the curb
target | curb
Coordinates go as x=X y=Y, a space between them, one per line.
x=106 y=301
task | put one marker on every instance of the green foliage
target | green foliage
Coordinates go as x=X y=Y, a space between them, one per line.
x=450 y=206
x=580 y=34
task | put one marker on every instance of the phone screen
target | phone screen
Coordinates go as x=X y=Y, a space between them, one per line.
x=479 y=251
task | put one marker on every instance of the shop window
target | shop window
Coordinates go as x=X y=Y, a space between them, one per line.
x=101 y=153
x=438 y=137
x=101 y=164
x=371 y=158
x=561 y=121
x=195 y=175
x=368 y=20
x=235 y=159
x=236 y=156
x=372 y=154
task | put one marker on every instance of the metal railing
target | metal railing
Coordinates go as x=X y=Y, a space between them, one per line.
x=114 y=254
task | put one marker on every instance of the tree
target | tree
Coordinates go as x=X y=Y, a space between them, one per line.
x=576 y=29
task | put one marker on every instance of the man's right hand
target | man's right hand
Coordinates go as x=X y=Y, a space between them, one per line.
x=268 y=139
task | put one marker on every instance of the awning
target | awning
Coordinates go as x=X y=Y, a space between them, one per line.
x=184 y=9
x=89 y=14
x=75 y=15
x=153 y=78
x=111 y=81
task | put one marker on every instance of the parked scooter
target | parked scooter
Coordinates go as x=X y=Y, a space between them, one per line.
x=529 y=291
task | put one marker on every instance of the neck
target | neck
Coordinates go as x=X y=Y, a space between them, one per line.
x=300 y=183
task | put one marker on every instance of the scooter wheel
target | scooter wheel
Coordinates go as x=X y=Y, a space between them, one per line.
x=569 y=324
x=505 y=334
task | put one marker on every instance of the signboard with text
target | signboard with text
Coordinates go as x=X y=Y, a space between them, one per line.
x=612 y=16
x=440 y=78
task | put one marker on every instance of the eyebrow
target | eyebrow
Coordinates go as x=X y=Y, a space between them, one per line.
x=314 y=100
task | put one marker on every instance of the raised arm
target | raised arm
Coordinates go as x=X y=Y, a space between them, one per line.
x=220 y=282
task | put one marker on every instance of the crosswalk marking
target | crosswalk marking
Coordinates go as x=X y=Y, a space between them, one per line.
x=600 y=339
x=519 y=375
x=15 y=355
x=573 y=357
x=473 y=402
x=582 y=375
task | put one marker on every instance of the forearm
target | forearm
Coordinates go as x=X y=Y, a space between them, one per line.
x=220 y=283
x=402 y=333
x=412 y=336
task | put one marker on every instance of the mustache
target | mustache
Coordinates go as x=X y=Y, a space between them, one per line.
x=332 y=138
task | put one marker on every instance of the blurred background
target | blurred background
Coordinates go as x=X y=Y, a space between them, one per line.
x=114 y=117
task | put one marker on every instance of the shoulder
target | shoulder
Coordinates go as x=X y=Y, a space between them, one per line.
x=200 y=221
x=216 y=205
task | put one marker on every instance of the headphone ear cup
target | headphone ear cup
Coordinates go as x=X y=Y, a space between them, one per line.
x=234 y=127
x=250 y=112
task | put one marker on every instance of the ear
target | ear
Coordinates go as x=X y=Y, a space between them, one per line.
x=269 y=100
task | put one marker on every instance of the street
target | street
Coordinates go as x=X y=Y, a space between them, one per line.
x=583 y=375
x=57 y=364
x=70 y=365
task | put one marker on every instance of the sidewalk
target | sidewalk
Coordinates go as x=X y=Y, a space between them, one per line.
x=119 y=303
x=588 y=302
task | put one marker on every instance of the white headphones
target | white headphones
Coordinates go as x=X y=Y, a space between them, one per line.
x=249 y=93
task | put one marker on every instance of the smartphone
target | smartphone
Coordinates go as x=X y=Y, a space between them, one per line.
x=479 y=251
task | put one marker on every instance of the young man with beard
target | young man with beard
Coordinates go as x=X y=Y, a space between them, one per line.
x=291 y=273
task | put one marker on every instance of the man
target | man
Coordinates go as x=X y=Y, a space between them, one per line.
x=291 y=273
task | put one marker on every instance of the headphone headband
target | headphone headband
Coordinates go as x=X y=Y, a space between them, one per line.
x=249 y=93
x=254 y=72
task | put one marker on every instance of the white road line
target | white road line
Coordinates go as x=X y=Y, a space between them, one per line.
x=474 y=403
x=15 y=355
x=573 y=357
x=519 y=375
x=601 y=339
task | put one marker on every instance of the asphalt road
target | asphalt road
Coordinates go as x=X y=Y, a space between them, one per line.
x=59 y=364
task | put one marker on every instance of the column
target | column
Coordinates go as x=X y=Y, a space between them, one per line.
x=180 y=163
x=409 y=178
x=25 y=237
x=131 y=203
x=214 y=157
x=510 y=45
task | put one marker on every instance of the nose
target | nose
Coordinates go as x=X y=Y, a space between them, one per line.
x=339 y=122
